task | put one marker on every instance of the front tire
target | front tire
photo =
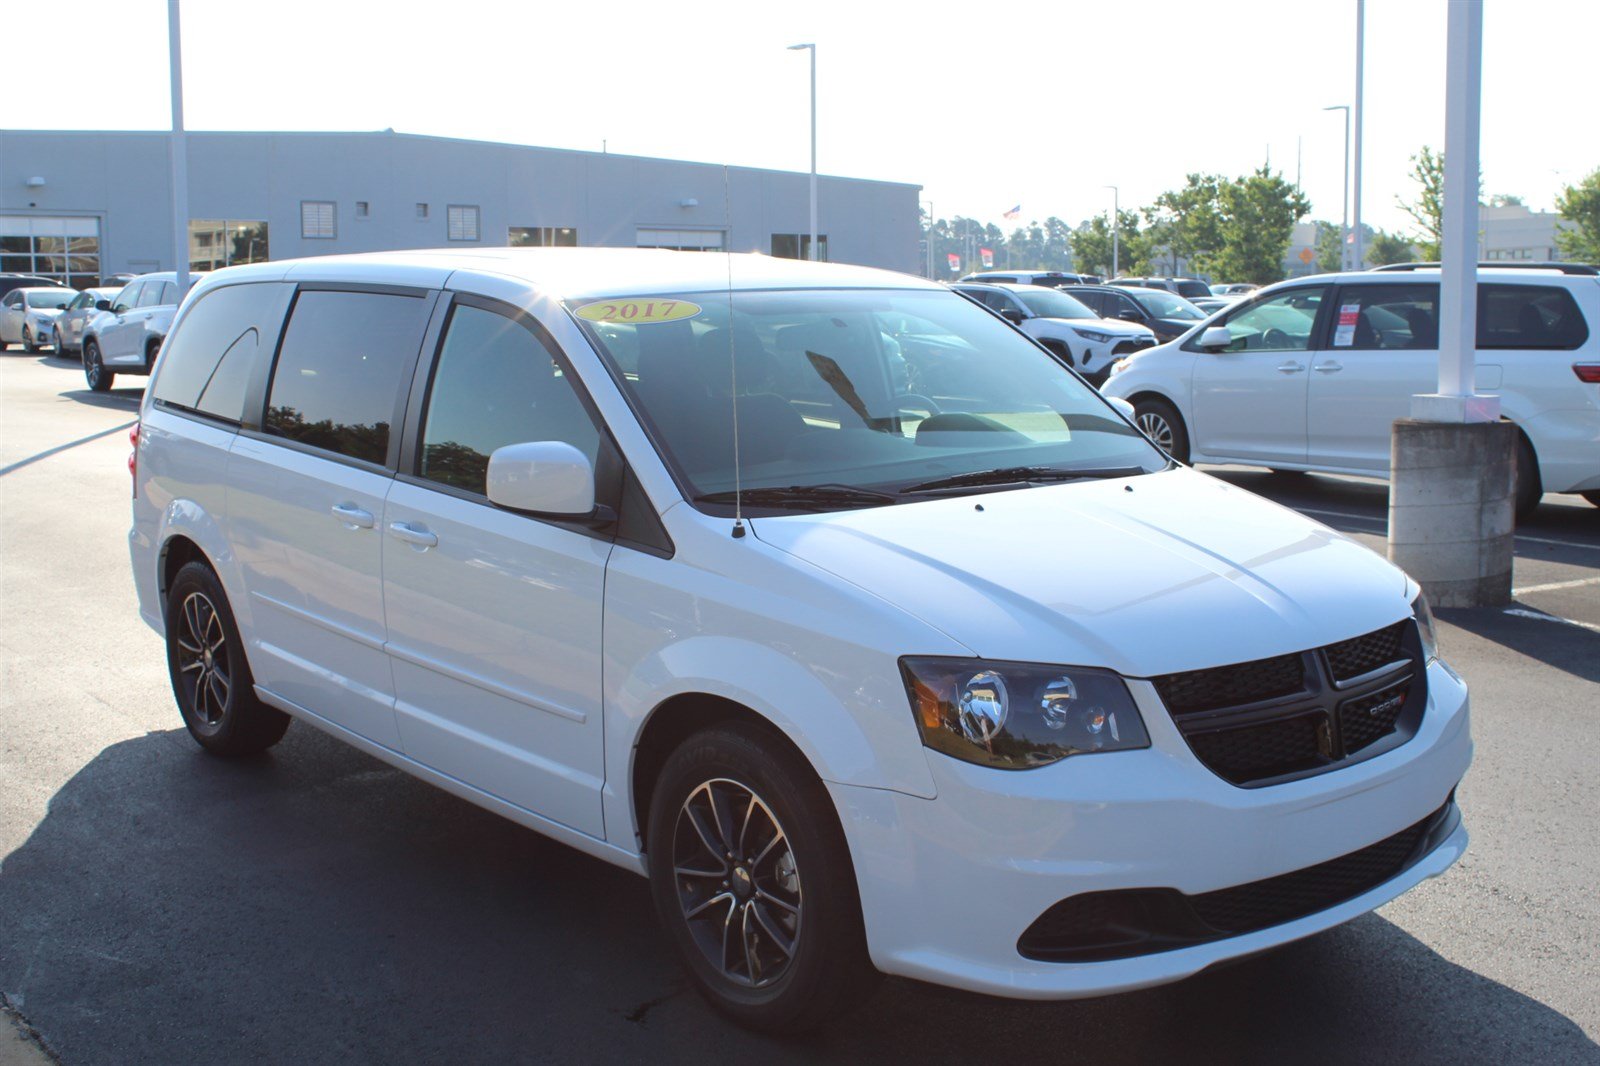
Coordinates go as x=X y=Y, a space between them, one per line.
x=211 y=679
x=753 y=881
x=94 y=371
x=1161 y=422
x=27 y=341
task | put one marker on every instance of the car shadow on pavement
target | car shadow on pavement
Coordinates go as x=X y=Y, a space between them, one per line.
x=314 y=905
x=1546 y=639
x=114 y=399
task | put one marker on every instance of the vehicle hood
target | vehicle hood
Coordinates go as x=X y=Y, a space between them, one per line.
x=46 y=312
x=1114 y=327
x=1146 y=575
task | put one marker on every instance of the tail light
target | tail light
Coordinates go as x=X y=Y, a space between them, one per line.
x=133 y=458
x=1589 y=372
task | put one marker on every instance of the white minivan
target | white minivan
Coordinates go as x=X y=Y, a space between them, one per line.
x=1311 y=374
x=746 y=574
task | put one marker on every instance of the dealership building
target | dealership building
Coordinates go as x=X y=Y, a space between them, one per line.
x=80 y=205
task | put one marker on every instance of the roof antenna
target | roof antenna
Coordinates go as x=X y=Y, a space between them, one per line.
x=733 y=366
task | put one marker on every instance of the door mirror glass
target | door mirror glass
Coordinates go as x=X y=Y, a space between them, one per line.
x=548 y=477
x=1215 y=338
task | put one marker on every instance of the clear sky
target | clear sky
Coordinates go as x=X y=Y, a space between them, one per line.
x=984 y=105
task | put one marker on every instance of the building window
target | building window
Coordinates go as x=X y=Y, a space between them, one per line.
x=63 y=249
x=461 y=222
x=541 y=237
x=317 y=220
x=422 y=212
x=215 y=243
x=798 y=246
x=683 y=240
x=362 y=209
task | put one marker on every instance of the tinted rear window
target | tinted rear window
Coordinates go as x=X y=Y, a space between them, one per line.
x=339 y=371
x=1529 y=316
x=206 y=363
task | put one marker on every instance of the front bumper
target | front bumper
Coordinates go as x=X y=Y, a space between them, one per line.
x=949 y=885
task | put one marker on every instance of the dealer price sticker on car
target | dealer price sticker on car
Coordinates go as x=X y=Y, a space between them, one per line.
x=1344 y=334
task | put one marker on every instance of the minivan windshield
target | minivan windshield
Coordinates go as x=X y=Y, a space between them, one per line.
x=852 y=397
x=1053 y=303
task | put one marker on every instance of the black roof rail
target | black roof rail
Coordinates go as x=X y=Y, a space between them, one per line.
x=1582 y=269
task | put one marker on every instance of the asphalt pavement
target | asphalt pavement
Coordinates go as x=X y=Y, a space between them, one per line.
x=315 y=906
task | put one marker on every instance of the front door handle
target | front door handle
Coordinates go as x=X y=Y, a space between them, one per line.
x=352 y=516
x=1291 y=368
x=417 y=536
x=1328 y=368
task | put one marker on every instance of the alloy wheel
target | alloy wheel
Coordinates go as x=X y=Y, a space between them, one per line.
x=1156 y=428
x=737 y=883
x=203 y=660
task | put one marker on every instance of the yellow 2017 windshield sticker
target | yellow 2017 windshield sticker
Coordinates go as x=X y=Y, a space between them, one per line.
x=637 y=311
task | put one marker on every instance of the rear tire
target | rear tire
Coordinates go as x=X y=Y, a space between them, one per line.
x=94 y=371
x=1161 y=422
x=772 y=934
x=211 y=678
x=1529 y=489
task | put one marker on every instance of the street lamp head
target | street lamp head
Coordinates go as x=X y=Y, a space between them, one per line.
x=1338 y=107
x=801 y=47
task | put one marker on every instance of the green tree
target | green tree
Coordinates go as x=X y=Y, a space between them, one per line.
x=1506 y=199
x=1427 y=210
x=1092 y=245
x=1330 y=248
x=1186 y=222
x=1384 y=248
x=1257 y=213
x=1580 y=205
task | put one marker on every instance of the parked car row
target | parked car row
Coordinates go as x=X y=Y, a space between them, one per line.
x=1310 y=374
x=1085 y=340
x=116 y=330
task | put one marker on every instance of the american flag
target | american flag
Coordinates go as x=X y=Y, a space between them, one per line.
x=1014 y=212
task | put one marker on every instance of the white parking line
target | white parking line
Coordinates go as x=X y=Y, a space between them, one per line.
x=1384 y=522
x=1540 y=616
x=1554 y=585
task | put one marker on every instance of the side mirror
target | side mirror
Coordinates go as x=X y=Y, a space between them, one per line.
x=547 y=477
x=1215 y=338
x=1123 y=406
x=1012 y=315
x=102 y=305
x=1129 y=316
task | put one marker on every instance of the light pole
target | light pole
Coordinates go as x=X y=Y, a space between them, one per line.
x=1344 y=223
x=1116 y=221
x=812 y=48
x=177 y=152
x=1359 y=252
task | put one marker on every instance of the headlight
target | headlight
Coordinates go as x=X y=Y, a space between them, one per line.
x=1017 y=716
x=1093 y=336
x=1425 y=628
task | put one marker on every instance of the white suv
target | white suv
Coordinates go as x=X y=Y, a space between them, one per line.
x=1090 y=344
x=127 y=333
x=1311 y=374
x=747 y=574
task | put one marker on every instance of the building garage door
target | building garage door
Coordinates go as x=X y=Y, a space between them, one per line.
x=64 y=249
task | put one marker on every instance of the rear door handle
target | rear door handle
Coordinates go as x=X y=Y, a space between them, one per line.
x=1328 y=368
x=1291 y=368
x=352 y=516
x=414 y=535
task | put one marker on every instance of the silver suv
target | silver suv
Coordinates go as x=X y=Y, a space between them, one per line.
x=125 y=337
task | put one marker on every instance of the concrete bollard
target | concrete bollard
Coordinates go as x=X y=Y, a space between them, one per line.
x=1452 y=512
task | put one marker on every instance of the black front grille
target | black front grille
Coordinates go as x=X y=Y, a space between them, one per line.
x=1352 y=658
x=1125 y=347
x=1119 y=924
x=1277 y=719
x=1226 y=686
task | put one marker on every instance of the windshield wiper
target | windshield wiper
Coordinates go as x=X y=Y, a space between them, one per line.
x=823 y=496
x=1018 y=475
